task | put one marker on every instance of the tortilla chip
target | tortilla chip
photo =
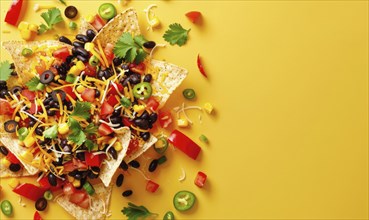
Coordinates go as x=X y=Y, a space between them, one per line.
x=110 y=166
x=98 y=206
x=5 y=172
x=85 y=26
x=10 y=140
x=142 y=149
x=23 y=66
x=126 y=21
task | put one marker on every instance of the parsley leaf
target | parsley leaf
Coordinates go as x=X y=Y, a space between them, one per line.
x=34 y=84
x=51 y=17
x=82 y=110
x=51 y=132
x=129 y=48
x=5 y=70
x=77 y=136
x=176 y=34
x=134 y=212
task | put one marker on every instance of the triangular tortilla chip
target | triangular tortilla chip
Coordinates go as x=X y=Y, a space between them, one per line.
x=98 y=207
x=23 y=65
x=5 y=172
x=110 y=166
x=85 y=26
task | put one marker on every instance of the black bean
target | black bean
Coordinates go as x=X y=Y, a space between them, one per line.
x=83 y=180
x=39 y=131
x=153 y=165
x=145 y=136
x=97 y=93
x=92 y=175
x=67 y=148
x=149 y=44
x=123 y=165
x=153 y=117
x=116 y=119
x=141 y=123
x=47 y=141
x=59 y=92
x=58 y=162
x=65 y=40
x=145 y=115
x=125 y=82
x=113 y=153
x=90 y=34
x=78 y=44
x=16 y=89
x=78 y=176
x=4 y=93
x=116 y=112
x=69 y=106
x=82 y=38
x=107 y=73
x=55 y=105
x=82 y=58
x=3 y=150
x=41 y=204
x=3 y=84
x=95 y=169
x=61 y=69
x=81 y=51
x=147 y=78
x=100 y=74
x=31 y=123
x=69 y=58
x=14 y=167
x=119 y=181
x=52 y=179
x=47 y=77
x=47 y=100
x=127 y=193
x=50 y=112
x=134 y=163
x=135 y=78
x=117 y=61
x=81 y=156
x=73 y=173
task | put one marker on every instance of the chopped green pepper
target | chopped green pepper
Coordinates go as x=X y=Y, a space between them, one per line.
x=203 y=138
x=72 y=25
x=48 y=195
x=22 y=133
x=89 y=188
x=70 y=78
x=125 y=102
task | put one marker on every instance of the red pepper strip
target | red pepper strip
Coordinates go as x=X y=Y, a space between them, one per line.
x=13 y=13
x=30 y=191
x=200 y=66
x=37 y=216
x=184 y=143
x=200 y=179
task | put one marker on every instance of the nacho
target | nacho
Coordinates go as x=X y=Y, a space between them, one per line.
x=6 y=172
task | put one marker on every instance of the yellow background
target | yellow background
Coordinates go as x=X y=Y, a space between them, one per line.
x=289 y=138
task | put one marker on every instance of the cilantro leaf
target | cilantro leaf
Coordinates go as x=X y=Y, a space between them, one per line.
x=90 y=129
x=134 y=212
x=129 y=48
x=77 y=136
x=5 y=70
x=90 y=145
x=51 y=132
x=82 y=110
x=176 y=34
x=34 y=84
x=51 y=17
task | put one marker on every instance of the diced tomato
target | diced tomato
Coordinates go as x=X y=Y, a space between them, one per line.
x=13 y=13
x=200 y=179
x=193 y=16
x=28 y=94
x=61 y=53
x=152 y=104
x=77 y=197
x=127 y=122
x=106 y=109
x=79 y=164
x=113 y=91
x=108 y=50
x=138 y=68
x=104 y=129
x=90 y=70
x=85 y=203
x=41 y=67
x=44 y=183
x=112 y=100
x=32 y=110
x=132 y=147
x=68 y=189
x=12 y=158
x=37 y=216
x=185 y=144
x=151 y=186
x=93 y=160
x=69 y=91
x=98 y=22
x=88 y=95
x=5 y=107
x=30 y=191
x=165 y=118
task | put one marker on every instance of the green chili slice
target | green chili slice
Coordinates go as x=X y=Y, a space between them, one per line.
x=189 y=93
x=22 y=133
x=161 y=145
x=27 y=52
x=48 y=195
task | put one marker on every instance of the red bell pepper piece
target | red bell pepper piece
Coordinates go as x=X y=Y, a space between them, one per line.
x=193 y=16
x=13 y=13
x=44 y=183
x=165 y=118
x=200 y=179
x=200 y=66
x=152 y=104
x=93 y=160
x=30 y=191
x=184 y=143
x=12 y=158
x=37 y=216
x=151 y=186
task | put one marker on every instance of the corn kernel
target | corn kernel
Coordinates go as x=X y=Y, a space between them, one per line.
x=33 y=27
x=23 y=25
x=90 y=18
x=76 y=183
x=89 y=46
x=182 y=122
x=63 y=128
x=5 y=162
x=27 y=156
x=17 y=118
x=26 y=34
x=80 y=65
x=74 y=70
x=208 y=107
x=117 y=146
x=139 y=108
x=14 y=182
x=80 y=89
x=29 y=141
x=49 y=90
x=155 y=22
x=70 y=178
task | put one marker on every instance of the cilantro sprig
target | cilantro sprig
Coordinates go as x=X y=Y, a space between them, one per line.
x=134 y=212
x=35 y=84
x=176 y=34
x=5 y=70
x=77 y=135
x=82 y=110
x=51 y=17
x=51 y=132
x=130 y=48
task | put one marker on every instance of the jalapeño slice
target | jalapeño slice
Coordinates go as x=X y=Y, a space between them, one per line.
x=142 y=90
x=184 y=200
x=189 y=93
x=107 y=11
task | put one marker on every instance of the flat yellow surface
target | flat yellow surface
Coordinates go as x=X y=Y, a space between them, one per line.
x=289 y=137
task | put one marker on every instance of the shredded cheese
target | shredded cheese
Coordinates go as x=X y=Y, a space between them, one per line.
x=102 y=52
x=147 y=13
x=105 y=92
x=183 y=175
x=156 y=46
x=20 y=202
x=140 y=172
